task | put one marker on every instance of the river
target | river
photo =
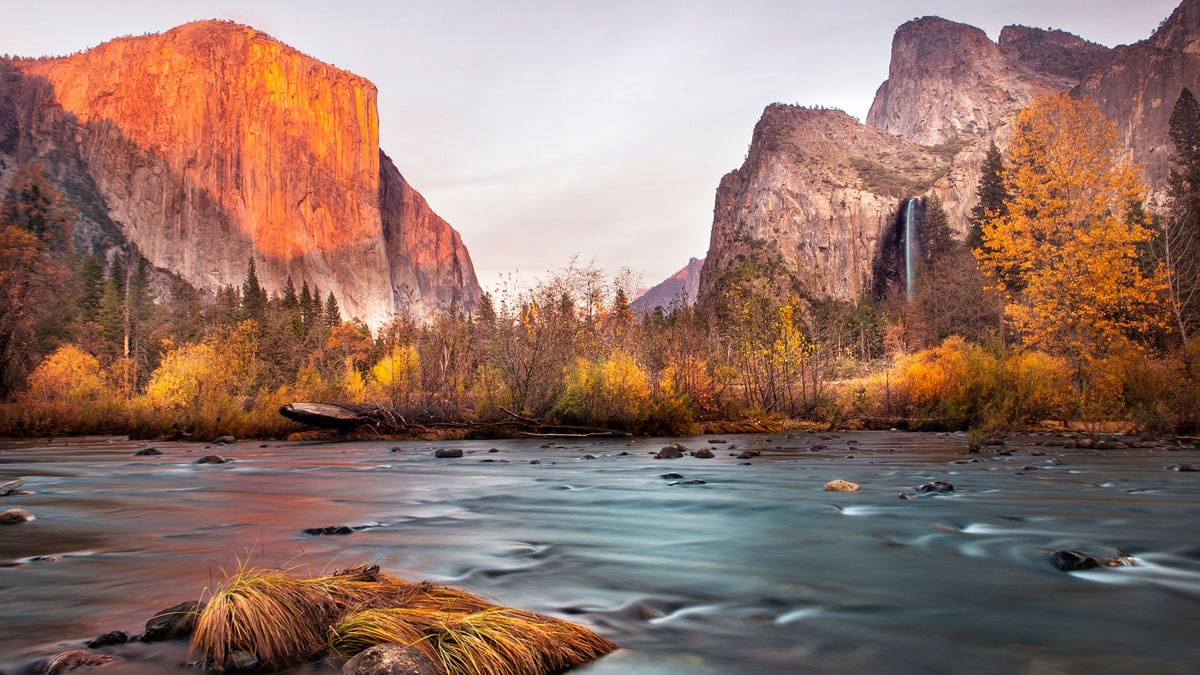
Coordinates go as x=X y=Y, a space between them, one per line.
x=737 y=566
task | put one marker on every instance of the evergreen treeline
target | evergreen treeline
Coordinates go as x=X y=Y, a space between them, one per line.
x=1049 y=309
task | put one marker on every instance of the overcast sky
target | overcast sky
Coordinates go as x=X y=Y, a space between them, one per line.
x=601 y=128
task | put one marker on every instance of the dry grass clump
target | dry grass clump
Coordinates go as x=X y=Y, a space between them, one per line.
x=283 y=621
x=492 y=641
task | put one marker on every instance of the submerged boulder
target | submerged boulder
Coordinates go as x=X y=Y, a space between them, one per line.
x=1070 y=560
x=12 y=487
x=147 y=452
x=448 y=453
x=703 y=453
x=212 y=459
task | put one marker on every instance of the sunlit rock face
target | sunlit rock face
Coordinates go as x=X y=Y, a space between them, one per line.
x=811 y=201
x=1139 y=88
x=212 y=143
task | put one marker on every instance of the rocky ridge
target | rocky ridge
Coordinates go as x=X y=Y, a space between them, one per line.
x=680 y=288
x=212 y=143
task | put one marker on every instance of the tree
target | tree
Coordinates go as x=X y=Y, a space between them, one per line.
x=35 y=245
x=1178 y=246
x=254 y=296
x=332 y=314
x=993 y=196
x=1066 y=254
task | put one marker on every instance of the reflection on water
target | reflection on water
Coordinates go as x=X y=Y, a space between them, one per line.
x=754 y=570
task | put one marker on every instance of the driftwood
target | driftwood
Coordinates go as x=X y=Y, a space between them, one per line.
x=387 y=420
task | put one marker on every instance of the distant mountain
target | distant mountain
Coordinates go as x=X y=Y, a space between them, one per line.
x=213 y=143
x=812 y=206
x=679 y=289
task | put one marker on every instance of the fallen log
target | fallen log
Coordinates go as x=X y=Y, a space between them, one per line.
x=388 y=420
x=323 y=415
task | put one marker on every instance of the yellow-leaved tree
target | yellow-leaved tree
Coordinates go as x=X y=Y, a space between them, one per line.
x=1066 y=256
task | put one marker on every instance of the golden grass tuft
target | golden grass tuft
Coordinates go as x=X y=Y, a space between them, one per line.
x=284 y=621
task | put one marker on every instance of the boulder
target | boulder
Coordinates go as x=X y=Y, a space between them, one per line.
x=1183 y=467
x=448 y=453
x=212 y=459
x=839 y=485
x=1070 y=560
x=176 y=621
x=116 y=637
x=672 y=476
x=746 y=454
x=672 y=451
x=702 y=453
x=939 y=487
x=15 y=516
x=147 y=452
x=331 y=530
x=225 y=440
x=391 y=659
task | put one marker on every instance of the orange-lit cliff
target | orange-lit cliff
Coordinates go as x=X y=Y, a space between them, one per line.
x=213 y=142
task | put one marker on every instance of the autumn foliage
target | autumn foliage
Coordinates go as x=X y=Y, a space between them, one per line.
x=1060 y=242
x=1067 y=252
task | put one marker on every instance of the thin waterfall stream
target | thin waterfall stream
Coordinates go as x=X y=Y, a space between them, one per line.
x=910 y=253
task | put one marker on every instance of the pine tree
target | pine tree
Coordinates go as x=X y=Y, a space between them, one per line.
x=254 y=297
x=993 y=196
x=333 y=314
x=935 y=236
x=1178 y=247
x=90 y=276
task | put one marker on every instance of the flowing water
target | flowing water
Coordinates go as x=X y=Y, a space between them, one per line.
x=754 y=570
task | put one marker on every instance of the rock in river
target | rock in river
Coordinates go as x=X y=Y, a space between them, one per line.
x=212 y=459
x=840 y=485
x=672 y=451
x=176 y=621
x=702 y=453
x=448 y=453
x=15 y=516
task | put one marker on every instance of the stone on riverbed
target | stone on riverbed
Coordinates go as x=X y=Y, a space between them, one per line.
x=703 y=453
x=212 y=459
x=839 y=485
x=672 y=451
x=116 y=637
x=147 y=452
x=448 y=453
x=1069 y=560
x=12 y=487
x=15 y=516
x=391 y=659
x=176 y=621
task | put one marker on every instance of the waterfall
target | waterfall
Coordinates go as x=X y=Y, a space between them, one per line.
x=910 y=252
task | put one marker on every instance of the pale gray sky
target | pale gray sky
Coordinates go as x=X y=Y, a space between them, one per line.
x=543 y=129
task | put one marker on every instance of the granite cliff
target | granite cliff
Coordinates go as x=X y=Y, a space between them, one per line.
x=1138 y=88
x=811 y=202
x=213 y=143
x=818 y=191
